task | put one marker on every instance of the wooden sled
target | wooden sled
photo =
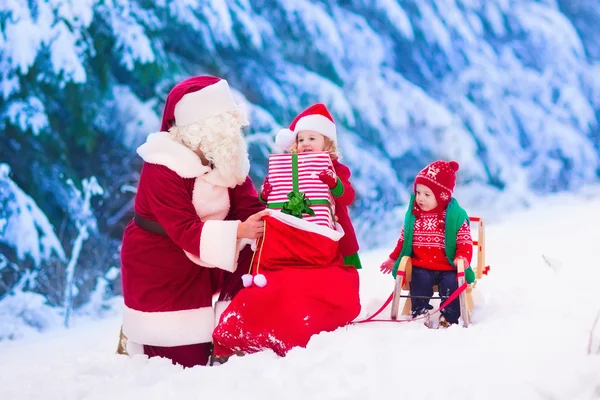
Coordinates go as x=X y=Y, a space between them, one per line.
x=466 y=298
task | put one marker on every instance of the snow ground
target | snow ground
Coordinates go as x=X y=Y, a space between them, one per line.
x=529 y=337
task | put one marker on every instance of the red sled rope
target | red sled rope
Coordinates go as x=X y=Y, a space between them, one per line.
x=449 y=300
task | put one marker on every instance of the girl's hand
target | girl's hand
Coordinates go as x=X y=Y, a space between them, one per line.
x=387 y=266
x=267 y=188
x=328 y=177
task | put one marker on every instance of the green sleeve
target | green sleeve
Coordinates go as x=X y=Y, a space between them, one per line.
x=338 y=190
x=260 y=198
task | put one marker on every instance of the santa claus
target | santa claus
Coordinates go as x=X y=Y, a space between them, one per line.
x=196 y=210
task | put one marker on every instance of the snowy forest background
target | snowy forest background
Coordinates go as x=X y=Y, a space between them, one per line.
x=509 y=88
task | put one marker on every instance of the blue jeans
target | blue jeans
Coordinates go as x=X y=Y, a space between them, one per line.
x=422 y=283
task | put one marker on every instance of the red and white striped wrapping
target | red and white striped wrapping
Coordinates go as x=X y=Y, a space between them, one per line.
x=309 y=166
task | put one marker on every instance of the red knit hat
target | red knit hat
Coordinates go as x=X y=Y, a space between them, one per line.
x=440 y=177
x=315 y=118
x=195 y=99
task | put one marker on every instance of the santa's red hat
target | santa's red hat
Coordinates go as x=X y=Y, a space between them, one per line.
x=196 y=99
x=440 y=177
x=315 y=118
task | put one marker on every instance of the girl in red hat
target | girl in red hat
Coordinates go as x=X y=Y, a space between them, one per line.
x=315 y=130
x=299 y=284
x=435 y=235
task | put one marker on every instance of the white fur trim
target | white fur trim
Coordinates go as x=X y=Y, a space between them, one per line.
x=212 y=204
x=169 y=329
x=204 y=103
x=161 y=149
x=220 y=307
x=243 y=242
x=196 y=260
x=219 y=244
x=134 y=348
x=317 y=123
x=210 y=201
x=304 y=225
x=285 y=139
x=240 y=246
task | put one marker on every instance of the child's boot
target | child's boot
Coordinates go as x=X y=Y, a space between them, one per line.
x=443 y=323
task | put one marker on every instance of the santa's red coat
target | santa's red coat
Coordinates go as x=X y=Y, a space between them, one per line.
x=169 y=281
x=309 y=290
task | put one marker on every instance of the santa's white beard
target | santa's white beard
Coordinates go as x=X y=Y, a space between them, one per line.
x=220 y=140
x=229 y=157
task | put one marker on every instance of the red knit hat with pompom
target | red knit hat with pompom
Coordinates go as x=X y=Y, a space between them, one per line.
x=440 y=177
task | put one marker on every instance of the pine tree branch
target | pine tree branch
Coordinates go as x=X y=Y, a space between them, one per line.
x=115 y=218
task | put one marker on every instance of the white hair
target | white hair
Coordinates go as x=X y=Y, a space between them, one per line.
x=221 y=141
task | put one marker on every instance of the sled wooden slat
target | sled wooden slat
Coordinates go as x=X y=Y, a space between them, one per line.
x=480 y=249
x=396 y=298
x=465 y=311
x=404 y=271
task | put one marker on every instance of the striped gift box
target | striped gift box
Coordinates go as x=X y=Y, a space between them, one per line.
x=289 y=173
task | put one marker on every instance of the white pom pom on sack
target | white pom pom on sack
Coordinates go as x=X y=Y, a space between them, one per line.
x=285 y=139
x=247 y=280
x=260 y=280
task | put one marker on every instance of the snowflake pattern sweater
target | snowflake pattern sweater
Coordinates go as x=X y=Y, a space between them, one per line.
x=428 y=250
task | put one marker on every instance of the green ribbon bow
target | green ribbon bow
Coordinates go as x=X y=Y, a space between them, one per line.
x=297 y=205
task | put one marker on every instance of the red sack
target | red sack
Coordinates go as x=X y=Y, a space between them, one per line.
x=308 y=290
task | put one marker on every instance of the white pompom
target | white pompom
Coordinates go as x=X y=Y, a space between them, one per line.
x=260 y=280
x=285 y=139
x=247 y=280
